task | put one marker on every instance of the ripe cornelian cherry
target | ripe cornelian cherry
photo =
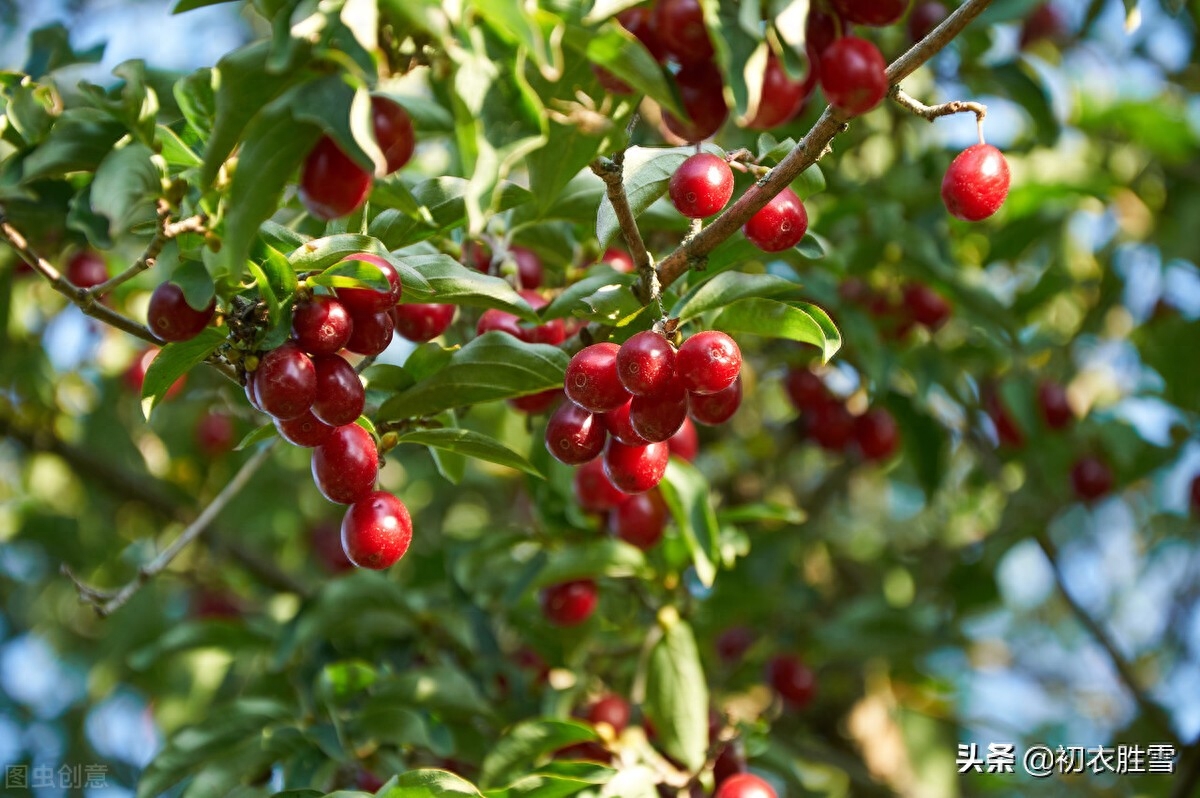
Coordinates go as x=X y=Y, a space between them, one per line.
x=611 y=709
x=368 y=300
x=926 y=306
x=877 y=13
x=1046 y=22
x=780 y=224
x=422 y=323
x=594 y=491
x=569 y=603
x=1056 y=410
x=619 y=426
x=782 y=97
x=552 y=332
x=393 y=131
x=1092 y=478
x=340 y=396
x=376 y=531
x=820 y=30
x=618 y=259
x=976 y=184
x=640 y=520
x=285 y=382
x=853 y=75
x=529 y=267
x=805 y=389
x=321 y=325
x=172 y=319
x=573 y=435
x=701 y=186
x=345 y=466
x=635 y=469
x=371 y=333
x=478 y=255
x=534 y=403
x=681 y=30
x=792 y=679
x=733 y=643
x=657 y=417
x=877 y=434
x=702 y=93
x=331 y=184
x=646 y=363
x=924 y=18
x=214 y=433
x=715 y=408
x=639 y=21
x=304 y=430
x=685 y=444
x=708 y=362
x=591 y=380
x=831 y=425
x=744 y=785
x=86 y=269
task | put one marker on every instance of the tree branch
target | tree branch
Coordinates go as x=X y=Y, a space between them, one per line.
x=808 y=151
x=932 y=112
x=612 y=172
x=167 y=230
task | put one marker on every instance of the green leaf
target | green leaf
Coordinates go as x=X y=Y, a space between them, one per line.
x=677 y=694
x=553 y=785
x=50 y=49
x=191 y=277
x=197 y=100
x=573 y=300
x=647 y=171
x=604 y=557
x=444 y=202
x=175 y=360
x=491 y=367
x=522 y=745
x=428 y=784
x=79 y=140
x=441 y=688
x=264 y=433
x=615 y=49
x=190 y=5
x=471 y=444
x=226 y=635
x=687 y=494
x=321 y=253
x=452 y=283
x=729 y=287
x=174 y=150
x=795 y=321
x=350 y=274
x=125 y=187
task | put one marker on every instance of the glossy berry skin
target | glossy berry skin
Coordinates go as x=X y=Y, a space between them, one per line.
x=639 y=21
x=529 y=267
x=976 y=184
x=304 y=430
x=832 y=426
x=805 y=389
x=708 y=362
x=701 y=186
x=573 y=435
x=594 y=491
x=640 y=520
x=172 y=319
x=820 y=30
x=591 y=380
x=877 y=13
x=646 y=363
x=393 y=131
x=782 y=98
x=733 y=643
x=635 y=469
x=877 y=434
x=779 y=225
x=569 y=603
x=345 y=466
x=376 y=531
x=613 y=710
x=792 y=679
x=285 y=382
x=340 y=396
x=618 y=259
x=681 y=29
x=422 y=323
x=86 y=269
x=715 y=408
x=853 y=75
x=553 y=332
x=657 y=418
x=535 y=403
x=321 y=325
x=214 y=434
x=685 y=444
x=701 y=91
x=926 y=306
x=744 y=785
x=495 y=320
x=619 y=425
x=331 y=184
x=359 y=301
x=1091 y=478
x=924 y=18
x=371 y=333
x=1052 y=401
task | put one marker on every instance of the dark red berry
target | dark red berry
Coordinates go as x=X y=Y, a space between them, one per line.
x=744 y=785
x=685 y=444
x=591 y=380
x=321 y=325
x=708 y=362
x=326 y=541
x=529 y=267
x=877 y=13
x=304 y=430
x=640 y=520
x=635 y=469
x=716 y=408
x=1045 y=23
x=371 y=333
x=701 y=91
x=1195 y=494
x=214 y=433
x=639 y=21
x=393 y=131
x=658 y=417
x=340 y=396
x=422 y=322
x=780 y=224
x=877 y=434
x=831 y=425
x=976 y=184
x=1056 y=410
x=376 y=531
x=569 y=603
x=820 y=30
x=331 y=184
x=1092 y=478
x=172 y=319
x=926 y=306
x=1008 y=433
x=792 y=679
x=733 y=643
x=553 y=332
x=573 y=435
x=345 y=466
x=360 y=301
x=646 y=363
x=494 y=320
x=613 y=710
x=853 y=75
x=729 y=763
x=701 y=186
x=285 y=382
x=536 y=403
x=782 y=98
x=924 y=18
x=478 y=255
x=805 y=389
x=619 y=426
x=681 y=29
x=594 y=491
x=86 y=269
x=618 y=259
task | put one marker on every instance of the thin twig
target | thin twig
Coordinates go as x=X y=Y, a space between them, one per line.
x=167 y=230
x=932 y=112
x=612 y=172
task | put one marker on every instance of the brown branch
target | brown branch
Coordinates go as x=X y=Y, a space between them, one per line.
x=612 y=172
x=808 y=151
x=167 y=230
x=932 y=112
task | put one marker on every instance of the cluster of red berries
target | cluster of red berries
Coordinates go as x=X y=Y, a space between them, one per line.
x=529 y=272
x=916 y=305
x=827 y=421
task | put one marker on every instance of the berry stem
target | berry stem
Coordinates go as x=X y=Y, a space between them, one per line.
x=167 y=230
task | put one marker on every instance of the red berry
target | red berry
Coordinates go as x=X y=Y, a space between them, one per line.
x=321 y=325
x=744 y=785
x=376 y=531
x=619 y=260
x=635 y=469
x=925 y=306
x=701 y=91
x=340 y=396
x=657 y=418
x=877 y=13
x=976 y=184
x=924 y=18
x=393 y=131
x=792 y=679
x=646 y=363
x=135 y=375
x=733 y=643
x=853 y=75
x=573 y=435
x=1195 y=495
x=569 y=603
x=371 y=333
x=708 y=362
x=1056 y=410
x=326 y=542
x=1007 y=431
x=716 y=408
x=640 y=520
x=820 y=30
x=681 y=29
x=591 y=380
x=345 y=466
x=780 y=224
x=553 y=332
x=214 y=434
x=360 y=301
x=729 y=763
x=619 y=426
x=171 y=318
x=613 y=710
x=805 y=389
x=782 y=98
x=331 y=184
x=536 y=403
x=701 y=186
x=685 y=444
x=1092 y=478
x=1045 y=23
x=86 y=269
x=877 y=434
x=594 y=491
x=477 y=254
x=529 y=267
x=831 y=425
x=422 y=322
x=640 y=22
x=285 y=382
x=304 y=430
x=493 y=320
